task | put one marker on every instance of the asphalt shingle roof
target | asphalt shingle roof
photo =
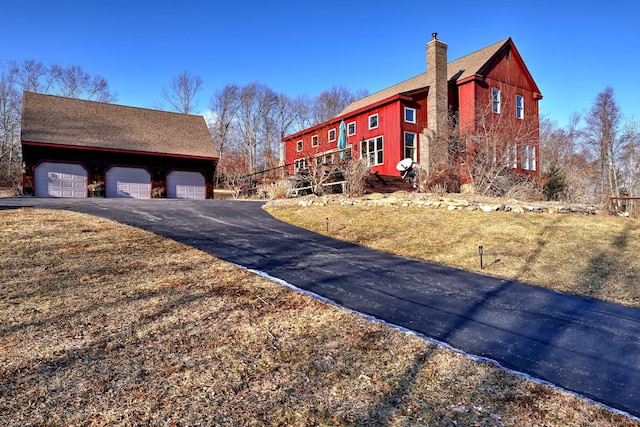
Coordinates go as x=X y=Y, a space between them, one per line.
x=461 y=68
x=57 y=120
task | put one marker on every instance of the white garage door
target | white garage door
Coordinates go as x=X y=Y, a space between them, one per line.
x=53 y=179
x=128 y=182
x=186 y=185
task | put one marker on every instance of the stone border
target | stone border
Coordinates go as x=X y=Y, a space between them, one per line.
x=433 y=201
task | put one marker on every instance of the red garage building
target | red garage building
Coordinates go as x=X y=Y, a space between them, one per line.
x=78 y=148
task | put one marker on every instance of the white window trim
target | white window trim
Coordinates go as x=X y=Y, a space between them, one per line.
x=299 y=145
x=415 y=145
x=520 y=110
x=496 y=104
x=314 y=137
x=528 y=158
x=405 y=114
x=375 y=151
x=377 y=121
x=329 y=138
x=354 y=128
x=513 y=156
x=300 y=164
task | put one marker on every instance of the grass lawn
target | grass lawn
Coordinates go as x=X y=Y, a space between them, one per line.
x=105 y=324
x=586 y=255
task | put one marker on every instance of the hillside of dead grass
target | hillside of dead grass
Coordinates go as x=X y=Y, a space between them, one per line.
x=105 y=324
x=594 y=256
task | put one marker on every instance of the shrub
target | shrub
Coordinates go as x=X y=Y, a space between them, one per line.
x=355 y=175
x=280 y=189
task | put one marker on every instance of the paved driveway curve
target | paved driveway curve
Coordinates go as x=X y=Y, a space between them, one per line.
x=583 y=345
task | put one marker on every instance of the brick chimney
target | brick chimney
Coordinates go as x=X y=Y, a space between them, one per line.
x=438 y=99
x=437 y=102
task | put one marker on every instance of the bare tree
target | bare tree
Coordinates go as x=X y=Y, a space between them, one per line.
x=286 y=114
x=602 y=132
x=10 y=114
x=497 y=146
x=331 y=102
x=34 y=76
x=233 y=172
x=75 y=82
x=256 y=106
x=181 y=92
x=31 y=75
x=562 y=149
x=224 y=106
x=630 y=160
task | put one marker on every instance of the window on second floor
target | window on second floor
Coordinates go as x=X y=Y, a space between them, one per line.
x=299 y=145
x=495 y=100
x=314 y=141
x=332 y=135
x=520 y=106
x=373 y=121
x=351 y=129
x=409 y=115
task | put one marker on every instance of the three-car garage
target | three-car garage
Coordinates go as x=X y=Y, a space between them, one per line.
x=79 y=148
x=63 y=179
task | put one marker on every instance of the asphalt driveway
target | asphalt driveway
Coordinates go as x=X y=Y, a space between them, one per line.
x=583 y=345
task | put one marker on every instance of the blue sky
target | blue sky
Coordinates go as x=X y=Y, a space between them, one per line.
x=573 y=49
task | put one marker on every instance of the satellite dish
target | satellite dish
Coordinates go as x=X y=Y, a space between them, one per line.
x=404 y=164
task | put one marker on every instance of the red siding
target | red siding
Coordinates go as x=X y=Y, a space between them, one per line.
x=469 y=98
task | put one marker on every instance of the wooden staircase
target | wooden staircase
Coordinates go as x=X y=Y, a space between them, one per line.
x=376 y=183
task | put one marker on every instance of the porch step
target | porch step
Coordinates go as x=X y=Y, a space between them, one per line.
x=377 y=183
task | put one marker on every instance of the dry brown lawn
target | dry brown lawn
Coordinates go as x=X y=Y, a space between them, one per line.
x=595 y=256
x=105 y=324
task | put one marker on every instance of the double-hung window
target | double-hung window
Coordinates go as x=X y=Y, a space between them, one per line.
x=373 y=121
x=409 y=115
x=410 y=144
x=520 y=107
x=529 y=157
x=495 y=101
x=300 y=165
x=351 y=129
x=373 y=151
x=513 y=157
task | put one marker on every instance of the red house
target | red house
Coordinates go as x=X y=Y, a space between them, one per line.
x=490 y=90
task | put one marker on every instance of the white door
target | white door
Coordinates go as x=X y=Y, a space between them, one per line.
x=186 y=185
x=54 y=179
x=128 y=182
